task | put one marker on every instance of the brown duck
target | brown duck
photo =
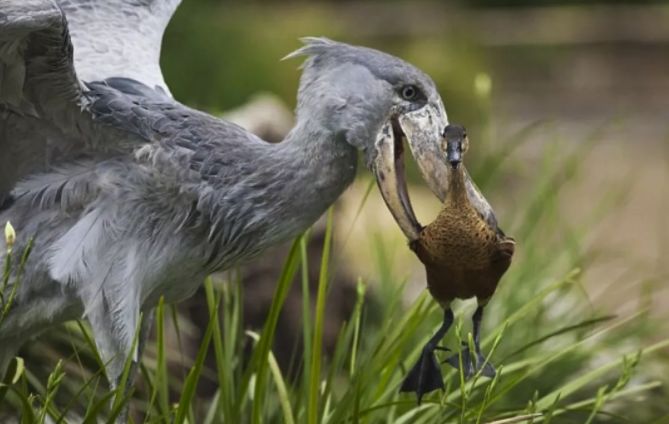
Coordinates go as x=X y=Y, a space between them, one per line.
x=465 y=254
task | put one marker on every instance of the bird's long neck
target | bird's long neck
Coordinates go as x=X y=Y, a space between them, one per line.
x=305 y=174
x=323 y=165
x=457 y=189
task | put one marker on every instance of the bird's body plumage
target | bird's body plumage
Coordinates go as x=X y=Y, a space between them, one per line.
x=464 y=256
x=130 y=195
x=122 y=230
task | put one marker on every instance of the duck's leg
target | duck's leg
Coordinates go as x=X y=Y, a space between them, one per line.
x=425 y=375
x=469 y=368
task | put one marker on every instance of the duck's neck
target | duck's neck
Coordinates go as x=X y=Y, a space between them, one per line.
x=457 y=189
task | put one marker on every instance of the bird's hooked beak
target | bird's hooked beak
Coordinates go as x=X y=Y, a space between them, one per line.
x=388 y=168
x=423 y=129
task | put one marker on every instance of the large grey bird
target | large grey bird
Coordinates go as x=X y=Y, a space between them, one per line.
x=130 y=195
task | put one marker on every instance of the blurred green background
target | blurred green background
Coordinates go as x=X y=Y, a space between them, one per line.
x=584 y=72
x=574 y=90
x=566 y=104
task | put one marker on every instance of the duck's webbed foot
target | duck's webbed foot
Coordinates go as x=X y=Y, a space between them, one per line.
x=425 y=376
x=472 y=364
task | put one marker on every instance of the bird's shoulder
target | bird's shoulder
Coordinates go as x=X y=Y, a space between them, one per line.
x=153 y=116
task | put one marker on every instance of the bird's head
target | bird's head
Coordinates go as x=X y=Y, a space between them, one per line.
x=455 y=143
x=373 y=101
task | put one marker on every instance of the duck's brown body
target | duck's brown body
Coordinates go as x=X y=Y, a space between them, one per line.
x=463 y=255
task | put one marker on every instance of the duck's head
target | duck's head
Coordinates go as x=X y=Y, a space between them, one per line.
x=455 y=144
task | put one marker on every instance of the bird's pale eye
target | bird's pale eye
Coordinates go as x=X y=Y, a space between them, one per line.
x=409 y=92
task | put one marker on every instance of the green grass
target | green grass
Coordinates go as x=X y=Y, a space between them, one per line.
x=559 y=357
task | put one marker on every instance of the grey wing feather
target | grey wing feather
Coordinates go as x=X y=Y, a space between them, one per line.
x=35 y=57
x=119 y=38
x=46 y=48
x=39 y=90
x=73 y=139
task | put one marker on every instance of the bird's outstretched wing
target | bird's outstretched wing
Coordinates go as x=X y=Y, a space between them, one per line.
x=47 y=48
x=39 y=90
x=118 y=38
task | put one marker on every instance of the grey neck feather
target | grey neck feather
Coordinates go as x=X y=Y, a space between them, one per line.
x=322 y=164
x=292 y=184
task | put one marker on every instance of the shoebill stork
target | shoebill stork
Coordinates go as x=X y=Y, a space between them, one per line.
x=131 y=195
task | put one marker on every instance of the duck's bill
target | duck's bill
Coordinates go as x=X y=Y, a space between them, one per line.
x=388 y=168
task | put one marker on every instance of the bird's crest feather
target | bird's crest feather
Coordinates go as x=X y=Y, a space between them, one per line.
x=313 y=46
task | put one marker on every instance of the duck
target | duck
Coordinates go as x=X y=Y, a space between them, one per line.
x=465 y=255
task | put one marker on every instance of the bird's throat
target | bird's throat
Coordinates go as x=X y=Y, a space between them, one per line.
x=457 y=189
x=314 y=169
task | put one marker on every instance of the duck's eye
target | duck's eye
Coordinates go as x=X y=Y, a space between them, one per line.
x=409 y=92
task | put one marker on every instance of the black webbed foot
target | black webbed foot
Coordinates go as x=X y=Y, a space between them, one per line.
x=425 y=376
x=470 y=366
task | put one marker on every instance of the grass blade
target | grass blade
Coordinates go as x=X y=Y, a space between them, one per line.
x=259 y=361
x=188 y=393
x=317 y=344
